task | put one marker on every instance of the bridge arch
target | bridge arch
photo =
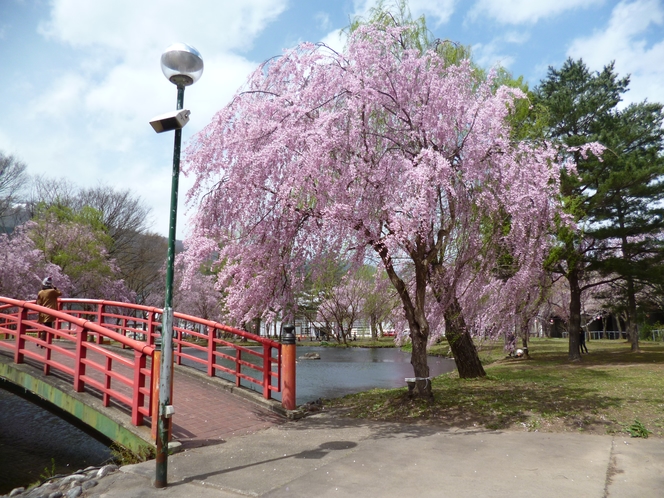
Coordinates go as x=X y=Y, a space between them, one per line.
x=97 y=359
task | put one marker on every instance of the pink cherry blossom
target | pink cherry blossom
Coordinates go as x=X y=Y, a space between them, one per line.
x=379 y=153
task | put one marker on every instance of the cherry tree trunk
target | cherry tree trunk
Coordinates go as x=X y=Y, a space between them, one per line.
x=525 y=336
x=419 y=361
x=463 y=348
x=574 y=315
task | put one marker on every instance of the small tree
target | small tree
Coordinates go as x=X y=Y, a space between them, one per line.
x=23 y=266
x=13 y=181
x=380 y=302
x=342 y=306
x=76 y=242
x=197 y=295
x=122 y=219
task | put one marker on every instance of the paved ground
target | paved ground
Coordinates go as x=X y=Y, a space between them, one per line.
x=328 y=455
x=206 y=412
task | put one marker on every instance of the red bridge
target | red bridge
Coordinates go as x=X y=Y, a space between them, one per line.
x=96 y=362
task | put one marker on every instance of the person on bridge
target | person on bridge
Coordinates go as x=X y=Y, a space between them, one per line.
x=47 y=297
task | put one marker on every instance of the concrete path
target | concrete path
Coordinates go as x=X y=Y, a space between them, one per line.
x=327 y=455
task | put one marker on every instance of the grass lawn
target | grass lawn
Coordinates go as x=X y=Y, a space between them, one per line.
x=361 y=342
x=610 y=391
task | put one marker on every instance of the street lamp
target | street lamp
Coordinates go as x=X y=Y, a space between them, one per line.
x=183 y=66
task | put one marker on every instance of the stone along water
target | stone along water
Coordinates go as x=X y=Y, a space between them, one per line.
x=32 y=439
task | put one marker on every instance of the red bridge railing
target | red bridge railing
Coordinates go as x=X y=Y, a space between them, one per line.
x=66 y=348
x=77 y=345
x=196 y=340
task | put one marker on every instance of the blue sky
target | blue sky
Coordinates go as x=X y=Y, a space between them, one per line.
x=82 y=78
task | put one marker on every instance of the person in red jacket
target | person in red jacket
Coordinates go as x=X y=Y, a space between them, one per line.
x=47 y=297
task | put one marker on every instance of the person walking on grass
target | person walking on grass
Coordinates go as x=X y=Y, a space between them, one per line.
x=48 y=298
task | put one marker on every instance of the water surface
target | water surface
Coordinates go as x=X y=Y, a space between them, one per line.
x=342 y=371
x=30 y=436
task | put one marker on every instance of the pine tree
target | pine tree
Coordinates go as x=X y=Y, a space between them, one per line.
x=612 y=199
x=627 y=212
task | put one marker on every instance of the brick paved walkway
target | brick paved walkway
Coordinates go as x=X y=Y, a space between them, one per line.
x=206 y=413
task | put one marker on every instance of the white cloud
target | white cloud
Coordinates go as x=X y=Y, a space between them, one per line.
x=336 y=40
x=516 y=37
x=136 y=26
x=526 y=11
x=496 y=52
x=60 y=100
x=323 y=19
x=625 y=40
x=89 y=123
x=118 y=85
x=437 y=12
x=489 y=55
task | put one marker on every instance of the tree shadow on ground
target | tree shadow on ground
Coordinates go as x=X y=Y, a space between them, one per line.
x=493 y=406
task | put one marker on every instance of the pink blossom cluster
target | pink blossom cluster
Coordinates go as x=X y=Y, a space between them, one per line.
x=198 y=296
x=376 y=150
x=23 y=266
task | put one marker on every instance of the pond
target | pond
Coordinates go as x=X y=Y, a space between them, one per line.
x=342 y=371
x=34 y=442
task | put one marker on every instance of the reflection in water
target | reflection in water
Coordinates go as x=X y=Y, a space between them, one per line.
x=342 y=371
x=31 y=436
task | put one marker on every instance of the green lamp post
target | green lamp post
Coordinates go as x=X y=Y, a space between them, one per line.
x=183 y=66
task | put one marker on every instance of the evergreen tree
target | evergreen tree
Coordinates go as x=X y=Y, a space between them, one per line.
x=612 y=200
x=627 y=211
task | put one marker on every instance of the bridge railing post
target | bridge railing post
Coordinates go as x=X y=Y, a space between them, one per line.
x=101 y=310
x=106 y=396
x=124 y=329
x=151 y=324
x=47 y=359
x=238 y=366
x=21 y=329
x=211 y=348
x=79 y=367
x=288 y=352
x=178 y=337
x=139 y=383
x=154 y=392
x=267 y=371
x=57 y=320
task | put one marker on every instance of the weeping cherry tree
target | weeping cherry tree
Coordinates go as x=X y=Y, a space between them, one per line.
x=380 y=151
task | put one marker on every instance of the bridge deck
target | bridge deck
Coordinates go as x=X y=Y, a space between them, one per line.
x=206 y=411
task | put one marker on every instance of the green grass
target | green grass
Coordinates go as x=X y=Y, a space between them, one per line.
x=361 y=342
x=610 y=391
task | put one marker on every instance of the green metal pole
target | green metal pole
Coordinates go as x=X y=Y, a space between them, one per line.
x=165 y=377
